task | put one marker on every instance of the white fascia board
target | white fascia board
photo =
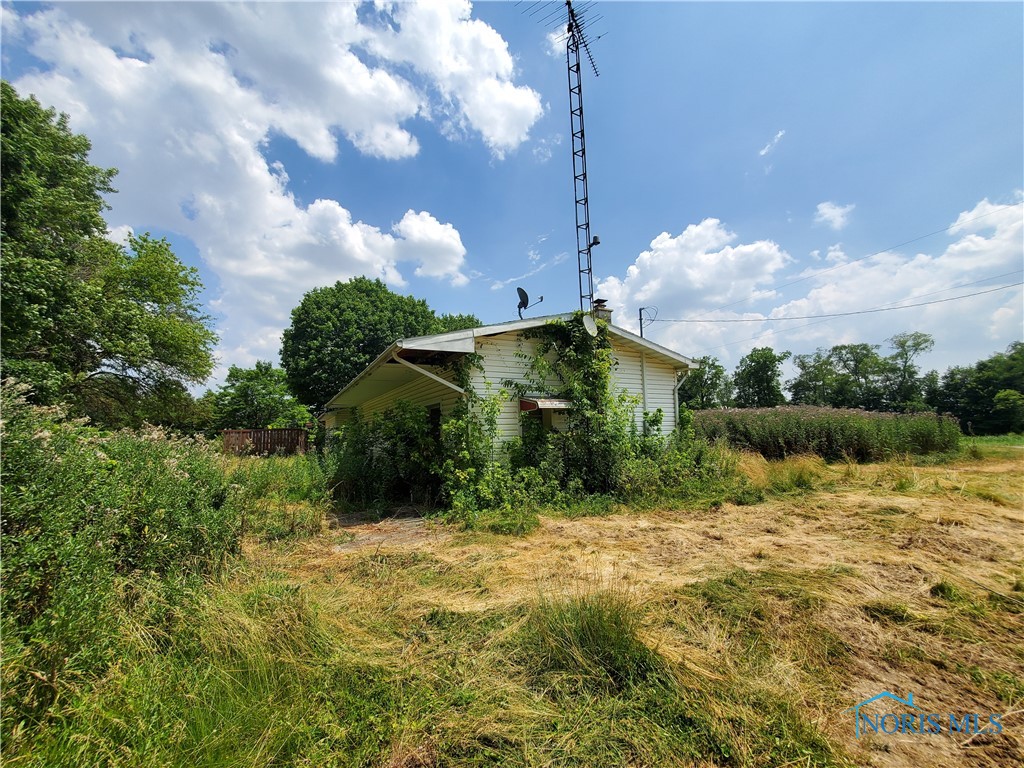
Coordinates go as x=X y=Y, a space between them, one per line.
x=459 y=341
x=680 y=361
x=462 y=341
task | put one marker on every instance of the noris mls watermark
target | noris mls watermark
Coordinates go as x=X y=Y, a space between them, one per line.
x=870 y=716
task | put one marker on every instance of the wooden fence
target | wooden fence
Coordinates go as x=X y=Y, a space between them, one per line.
x=264 y=441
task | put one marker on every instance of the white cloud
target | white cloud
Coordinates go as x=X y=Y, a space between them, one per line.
x=544 y=148
x=835 y=216
x=692 y=274
x=772 y=144
x=183 y=99
x=470 y=65
x=438 y=247
x=555 y=43
x=969 y=328
x=703 y=275
x=120 y=234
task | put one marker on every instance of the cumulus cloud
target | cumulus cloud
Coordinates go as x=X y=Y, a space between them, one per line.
x=987 y=252
x=835 y=216
x=185 y=99
x=470 y=65
x=693 y=273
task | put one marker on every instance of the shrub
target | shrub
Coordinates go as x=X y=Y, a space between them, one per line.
x=834 y=434
x=87 y=518
x=389 y=458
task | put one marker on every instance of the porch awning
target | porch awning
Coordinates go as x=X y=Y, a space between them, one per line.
x=544 y=404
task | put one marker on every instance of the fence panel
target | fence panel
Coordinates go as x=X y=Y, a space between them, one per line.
x=264 y=441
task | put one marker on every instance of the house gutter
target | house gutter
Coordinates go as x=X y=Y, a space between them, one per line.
x=643 y=377
x=428 y=374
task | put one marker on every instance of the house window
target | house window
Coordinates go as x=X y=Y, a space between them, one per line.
x=543 y=413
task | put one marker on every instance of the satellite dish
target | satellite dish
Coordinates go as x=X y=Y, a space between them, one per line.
x=524 y=299
x=524 y=302
x=590 y=325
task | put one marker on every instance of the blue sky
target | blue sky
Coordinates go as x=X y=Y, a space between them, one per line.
x=746 y=160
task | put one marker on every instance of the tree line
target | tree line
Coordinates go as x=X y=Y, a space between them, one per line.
x=986 y=398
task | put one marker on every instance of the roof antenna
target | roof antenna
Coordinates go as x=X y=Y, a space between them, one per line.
x=524 y=302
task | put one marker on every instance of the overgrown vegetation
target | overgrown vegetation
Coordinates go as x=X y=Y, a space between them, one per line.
x=831 y=433
x=107 y=534
x=678 y=638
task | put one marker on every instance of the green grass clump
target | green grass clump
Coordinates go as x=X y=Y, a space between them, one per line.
x=889 y=612
x=281 y=497
x=834 y=434
x=589 y=655
x=593 y=638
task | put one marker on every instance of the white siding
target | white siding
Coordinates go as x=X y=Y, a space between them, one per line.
x=504 y=357
x=507 y=357
x=633 y=372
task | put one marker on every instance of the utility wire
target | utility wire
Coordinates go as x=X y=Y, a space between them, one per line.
x=862 y=258
x=844 y=314
x=817 y=322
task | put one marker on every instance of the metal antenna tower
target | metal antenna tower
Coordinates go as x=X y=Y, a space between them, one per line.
x=575 y=40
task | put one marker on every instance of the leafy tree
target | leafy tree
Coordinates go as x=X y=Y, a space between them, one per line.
x=815 y=383
x=1008 y=407
x=81 y=312
x=115 y=402
x=707 y=387
x=975 y=395
x=338 y=330
x=758 y=379
x=904 y=386
x=253 y=398
x=859 y=373
x=448 y=322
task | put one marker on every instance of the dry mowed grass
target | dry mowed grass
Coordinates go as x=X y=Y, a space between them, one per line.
x=844 y=581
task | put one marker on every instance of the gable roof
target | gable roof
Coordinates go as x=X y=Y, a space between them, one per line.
x=440 y=346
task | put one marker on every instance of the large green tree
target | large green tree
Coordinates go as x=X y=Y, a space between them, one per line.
x=337 y=330
x=258 y=397
x=758 y=379
x=857 y=376
x=707 y=387
x=904 y=386
x=84 y=318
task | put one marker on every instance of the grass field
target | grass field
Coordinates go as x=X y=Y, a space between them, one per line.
x=729 y=635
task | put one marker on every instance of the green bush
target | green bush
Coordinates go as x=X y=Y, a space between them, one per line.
x=387 y=459
x=834 y=434
x=87 y=519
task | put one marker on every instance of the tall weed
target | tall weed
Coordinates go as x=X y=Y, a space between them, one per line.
x=87 y=517
x=835 y=434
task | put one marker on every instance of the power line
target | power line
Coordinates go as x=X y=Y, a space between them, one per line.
x=799 y=327
x=861 y=258
x=845 y=314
